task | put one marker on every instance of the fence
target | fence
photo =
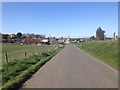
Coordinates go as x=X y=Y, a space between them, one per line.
x=9 y=58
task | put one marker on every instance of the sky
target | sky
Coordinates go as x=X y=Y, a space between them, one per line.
x=74 y=19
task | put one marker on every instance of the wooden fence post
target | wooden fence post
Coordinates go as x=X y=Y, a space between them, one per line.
x=6 y=57
x=25 y=54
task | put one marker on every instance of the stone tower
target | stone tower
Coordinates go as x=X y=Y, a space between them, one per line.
x=100 y=34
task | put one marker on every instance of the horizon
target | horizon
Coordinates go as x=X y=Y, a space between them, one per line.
x=74 y=19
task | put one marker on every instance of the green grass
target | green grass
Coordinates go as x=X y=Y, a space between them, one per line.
x=16 y=51
x=18 y=68
x=105 y=51
x=0 y=80
x=18 y=71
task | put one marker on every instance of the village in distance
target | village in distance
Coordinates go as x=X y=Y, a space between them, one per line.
x=40 y=39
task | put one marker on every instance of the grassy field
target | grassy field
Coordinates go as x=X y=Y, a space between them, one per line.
x=17 y=61
x=105 y=51
x=16 y=51
x=18 y=70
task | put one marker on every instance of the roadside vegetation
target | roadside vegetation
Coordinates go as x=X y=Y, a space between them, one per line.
x=105 y=51
x=17 y=71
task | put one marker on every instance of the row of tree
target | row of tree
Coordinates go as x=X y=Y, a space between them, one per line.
x=17 y=38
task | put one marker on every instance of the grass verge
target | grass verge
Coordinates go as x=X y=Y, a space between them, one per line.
x=105 y=51
x=24 y=69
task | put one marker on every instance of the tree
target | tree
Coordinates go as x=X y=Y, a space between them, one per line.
x=92 y=37
x=19 y=35
x=5 y=38
x=29 y=36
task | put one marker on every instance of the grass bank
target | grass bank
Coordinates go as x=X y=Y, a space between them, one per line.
x=15 y=73
x=105 y=51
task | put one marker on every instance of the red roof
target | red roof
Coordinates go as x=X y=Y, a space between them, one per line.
x=32 y=40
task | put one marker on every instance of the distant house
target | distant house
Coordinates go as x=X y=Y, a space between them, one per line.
x=61 y=41
x=54 y=41
x=31 y=41
x=75 y=40
x=67 y=41
x=45 y=41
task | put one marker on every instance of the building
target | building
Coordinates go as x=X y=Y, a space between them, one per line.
x=54 y=41
x=100 y=34
x=61 y=41
x=31 y=41
x=45 y=41
x=68 y=41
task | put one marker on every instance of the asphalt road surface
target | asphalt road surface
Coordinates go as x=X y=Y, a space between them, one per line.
x=73 y=68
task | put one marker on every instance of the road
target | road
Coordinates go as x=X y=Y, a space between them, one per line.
x=73 y=68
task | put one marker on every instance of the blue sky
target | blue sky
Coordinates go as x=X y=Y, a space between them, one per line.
x=77 y=19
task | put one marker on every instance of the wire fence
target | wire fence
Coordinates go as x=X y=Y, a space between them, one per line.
x=7 y=57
